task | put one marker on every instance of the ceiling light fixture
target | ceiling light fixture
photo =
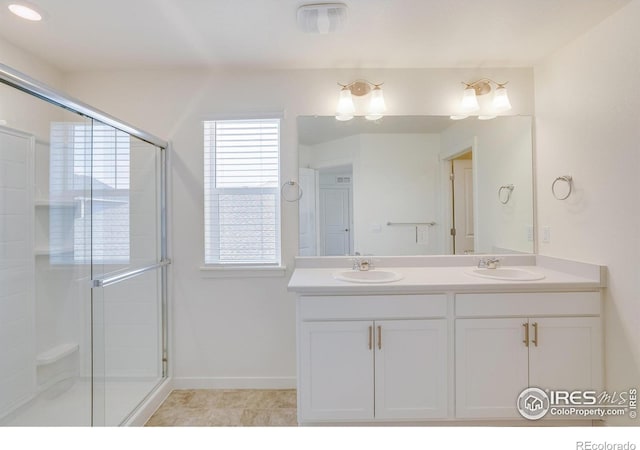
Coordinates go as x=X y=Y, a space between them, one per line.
x=322 y=18
x=346 y=108
x=469 y=103
x=27 y=12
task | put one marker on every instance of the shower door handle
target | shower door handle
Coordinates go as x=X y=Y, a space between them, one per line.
x=104 y=282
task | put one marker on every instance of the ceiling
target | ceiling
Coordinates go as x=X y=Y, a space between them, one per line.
x=132 y=34
x=313 y=130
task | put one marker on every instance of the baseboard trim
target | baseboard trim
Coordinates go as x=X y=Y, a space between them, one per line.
x=234 y=383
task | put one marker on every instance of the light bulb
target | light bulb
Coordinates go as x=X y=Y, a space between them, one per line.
x=345 y=108
x=501 y=101
x=377 y=106
x=469 y=101
x=25 y=12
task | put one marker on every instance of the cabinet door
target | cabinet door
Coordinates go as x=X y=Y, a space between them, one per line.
x=491 y=367
x=568 y=354
x=336 y=370
x=411 y=369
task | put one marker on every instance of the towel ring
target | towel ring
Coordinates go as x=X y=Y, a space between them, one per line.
x=567 y=179
x=509 y=188
x=285 y=187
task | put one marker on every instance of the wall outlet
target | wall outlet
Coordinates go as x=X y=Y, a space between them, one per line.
x=529 y=233
x=546 y=235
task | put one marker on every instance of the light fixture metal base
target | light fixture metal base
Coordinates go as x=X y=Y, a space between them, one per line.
x=483 y=85
x=360 y=88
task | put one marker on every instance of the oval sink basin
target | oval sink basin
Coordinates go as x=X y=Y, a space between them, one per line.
x=368 y=276
x=507 y=273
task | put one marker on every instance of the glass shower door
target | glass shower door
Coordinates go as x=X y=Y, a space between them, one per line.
x=82 y=261
x=127 y=296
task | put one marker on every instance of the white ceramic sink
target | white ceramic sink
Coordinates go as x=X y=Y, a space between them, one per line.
x=507 y=273
x=368 y=276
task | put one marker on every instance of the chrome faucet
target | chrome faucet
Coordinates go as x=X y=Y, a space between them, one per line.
x=362 y=264
x=489 y=263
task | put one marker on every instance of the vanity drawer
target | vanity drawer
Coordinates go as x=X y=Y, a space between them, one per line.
x=372 y=307
x=528 y=304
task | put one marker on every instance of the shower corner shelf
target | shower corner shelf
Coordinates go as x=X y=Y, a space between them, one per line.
x=49 y=203
x=56 y=353
x=49 y=251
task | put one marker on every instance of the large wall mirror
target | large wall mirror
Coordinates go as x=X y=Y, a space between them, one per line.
x=415 y=185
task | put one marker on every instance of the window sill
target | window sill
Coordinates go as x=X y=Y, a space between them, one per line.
x=242 y=271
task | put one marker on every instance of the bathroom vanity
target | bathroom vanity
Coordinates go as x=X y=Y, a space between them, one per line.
x=442 y=342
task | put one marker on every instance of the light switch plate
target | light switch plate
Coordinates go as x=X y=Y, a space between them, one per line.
x=546 y=235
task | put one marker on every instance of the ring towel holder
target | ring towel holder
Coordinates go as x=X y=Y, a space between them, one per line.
x=563 y=179
x=288 y=193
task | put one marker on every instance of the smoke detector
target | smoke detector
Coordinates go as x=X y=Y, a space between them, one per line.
x=322 y=18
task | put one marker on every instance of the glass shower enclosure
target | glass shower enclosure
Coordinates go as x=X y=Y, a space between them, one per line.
x=83 y=261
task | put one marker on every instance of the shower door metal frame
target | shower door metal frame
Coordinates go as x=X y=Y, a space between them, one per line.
x=24 y=83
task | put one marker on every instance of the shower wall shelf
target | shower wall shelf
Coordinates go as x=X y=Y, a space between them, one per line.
x=48 y=203
x=49 y=252
x=56 y=353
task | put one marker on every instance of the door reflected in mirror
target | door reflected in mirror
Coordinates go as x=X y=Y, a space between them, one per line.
x=415 y=185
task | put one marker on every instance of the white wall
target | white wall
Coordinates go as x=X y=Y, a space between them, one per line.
x=588 y=126
x=17 y=112
x=503 y=155
x=230 y=331
x=338 y=152
x=397 y=179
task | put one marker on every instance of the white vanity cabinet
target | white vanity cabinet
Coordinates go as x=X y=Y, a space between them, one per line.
x=370 y=358
x=335 y=371
x=554 y=342
x=441 y=345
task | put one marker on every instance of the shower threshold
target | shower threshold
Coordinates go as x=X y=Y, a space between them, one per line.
x=70 y=404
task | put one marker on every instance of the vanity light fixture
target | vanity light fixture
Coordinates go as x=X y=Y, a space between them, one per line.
x=25 y=11
x=469 y=103
x=346 y=108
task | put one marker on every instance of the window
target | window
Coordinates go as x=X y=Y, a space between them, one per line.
x=89 y=194
x=242 y=196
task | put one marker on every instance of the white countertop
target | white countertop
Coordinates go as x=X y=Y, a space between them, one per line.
x=558 y=275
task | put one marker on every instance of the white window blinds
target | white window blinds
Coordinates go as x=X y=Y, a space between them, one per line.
x=242 y=201
x=89 y=194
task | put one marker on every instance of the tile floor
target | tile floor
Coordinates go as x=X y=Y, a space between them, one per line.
x=227 y=407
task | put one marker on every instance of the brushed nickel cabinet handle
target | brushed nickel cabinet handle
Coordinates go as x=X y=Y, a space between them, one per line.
x=526 y=334
x=379 y=337
x=370 y=337
x=535 y=333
